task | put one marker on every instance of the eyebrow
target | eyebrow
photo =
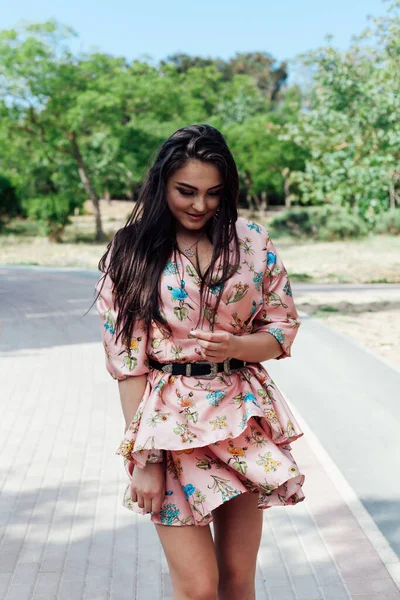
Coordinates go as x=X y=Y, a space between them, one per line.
x=195 y=188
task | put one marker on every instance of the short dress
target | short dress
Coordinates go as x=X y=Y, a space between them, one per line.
x=220 y=437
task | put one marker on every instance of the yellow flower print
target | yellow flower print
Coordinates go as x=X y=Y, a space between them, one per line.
x=271 y=415
x=269 y=464
x=218 y=423
x=236 y=459
x=126 y=448
x=134 y=343
x=290 y=429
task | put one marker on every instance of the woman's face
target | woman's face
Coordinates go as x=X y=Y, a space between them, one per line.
x=193 y=194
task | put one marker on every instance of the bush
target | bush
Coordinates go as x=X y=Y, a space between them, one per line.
x=52 y=212
x=328 y=222
x=388 y=222
x=8 y=200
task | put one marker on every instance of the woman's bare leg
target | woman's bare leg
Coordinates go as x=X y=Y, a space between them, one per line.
x=237 y=532
x=192 y=563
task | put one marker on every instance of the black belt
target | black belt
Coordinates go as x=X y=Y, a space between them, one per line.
x=201 y=369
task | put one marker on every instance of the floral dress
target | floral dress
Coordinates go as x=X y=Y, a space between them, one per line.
x=224 y=436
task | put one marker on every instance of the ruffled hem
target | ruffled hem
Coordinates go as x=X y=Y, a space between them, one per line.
x=159 y=424
x=200 y=479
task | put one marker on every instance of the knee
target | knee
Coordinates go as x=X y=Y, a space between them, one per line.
x=237 y=583
x=202 y=588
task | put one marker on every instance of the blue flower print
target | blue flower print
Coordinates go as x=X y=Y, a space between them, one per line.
x=255 y=226
x=271 y=258
x=249 y=397
x=287 y=289
x=169 y=514
x=246 y=416
x=229 y=495
x=109 y=322
x=179 y=293
x=108 y=327
x=258 y=280
x=169 y=493
x=189 y=490
x=278 y=334
x=215 y=398
x=170 y=268
x=214 y=289
x=253 y=307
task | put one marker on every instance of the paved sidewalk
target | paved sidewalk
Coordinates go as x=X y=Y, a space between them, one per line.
x=65 y=535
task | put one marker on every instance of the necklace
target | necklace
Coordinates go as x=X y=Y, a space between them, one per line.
x=189 y=250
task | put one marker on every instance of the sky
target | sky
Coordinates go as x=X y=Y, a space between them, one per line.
x=154 y=29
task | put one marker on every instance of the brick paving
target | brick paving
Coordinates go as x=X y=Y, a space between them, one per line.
x=65 y=535
x=63 y=532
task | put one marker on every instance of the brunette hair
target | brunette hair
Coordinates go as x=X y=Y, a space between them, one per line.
x=137 y=255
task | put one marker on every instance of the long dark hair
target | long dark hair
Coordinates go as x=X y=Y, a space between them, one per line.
x=141 y=249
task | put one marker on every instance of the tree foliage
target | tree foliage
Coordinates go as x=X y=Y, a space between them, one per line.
x=351 y=124
x=78 y=125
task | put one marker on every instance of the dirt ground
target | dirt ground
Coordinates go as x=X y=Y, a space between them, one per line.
x=370 y=317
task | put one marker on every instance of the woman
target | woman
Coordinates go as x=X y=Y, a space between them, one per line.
x=192 y=300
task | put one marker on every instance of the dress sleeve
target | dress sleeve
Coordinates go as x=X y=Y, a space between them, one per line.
x=277 y=315
x=122 y=359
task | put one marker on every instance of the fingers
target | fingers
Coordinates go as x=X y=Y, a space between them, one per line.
x=147 y=501
x=213 y=351
x=148 y=504
x=142 y=502
x=158 y=502
x=210 y=336
x=202 y=335
x=211 y=346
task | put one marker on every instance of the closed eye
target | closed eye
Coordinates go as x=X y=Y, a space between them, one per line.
x=186 y=193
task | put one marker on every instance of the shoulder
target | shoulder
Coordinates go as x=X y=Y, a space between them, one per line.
x=251 y=229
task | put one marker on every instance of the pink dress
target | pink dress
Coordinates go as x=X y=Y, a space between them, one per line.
x=223 y=436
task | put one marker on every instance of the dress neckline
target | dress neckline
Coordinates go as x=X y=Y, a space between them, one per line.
x=193 y=265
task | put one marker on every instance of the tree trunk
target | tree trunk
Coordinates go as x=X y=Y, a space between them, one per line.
x=257 y=203
x=392 y=197
x=264 y=199
x=107 y=196
x=83 y=174
x=249 y=201
x=286 y=190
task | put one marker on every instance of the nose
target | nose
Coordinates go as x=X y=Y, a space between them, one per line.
x=199 y=204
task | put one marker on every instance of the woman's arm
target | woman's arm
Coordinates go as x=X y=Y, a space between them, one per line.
x=254 y=347
x=274 y=326
x=131 y=391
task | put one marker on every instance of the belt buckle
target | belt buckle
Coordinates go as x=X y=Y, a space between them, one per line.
x=167 y=368
x=213 y=369
x=227 y=367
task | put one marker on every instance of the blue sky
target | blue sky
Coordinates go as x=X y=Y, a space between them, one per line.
x=217 y=28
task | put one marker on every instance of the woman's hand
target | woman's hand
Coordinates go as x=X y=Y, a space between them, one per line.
x=216 y=346
x=148 y=487
x=252 y=347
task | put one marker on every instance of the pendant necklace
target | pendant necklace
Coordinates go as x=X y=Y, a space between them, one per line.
x=189 y=251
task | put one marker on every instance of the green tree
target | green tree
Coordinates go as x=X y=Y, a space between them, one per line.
x=69 y=107
x=350 y=128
